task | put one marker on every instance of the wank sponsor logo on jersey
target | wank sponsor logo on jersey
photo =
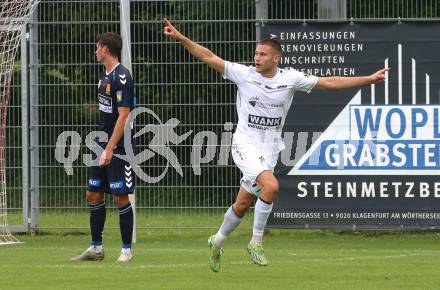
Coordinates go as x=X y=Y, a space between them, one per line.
x=262 y=122
x=386 y=139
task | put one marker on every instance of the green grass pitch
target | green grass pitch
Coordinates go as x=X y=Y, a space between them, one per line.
x=178 y=259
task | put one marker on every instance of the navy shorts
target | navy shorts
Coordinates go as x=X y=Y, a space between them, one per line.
x=117 y=178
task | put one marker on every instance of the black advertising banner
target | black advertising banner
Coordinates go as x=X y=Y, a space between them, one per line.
x=367 y=157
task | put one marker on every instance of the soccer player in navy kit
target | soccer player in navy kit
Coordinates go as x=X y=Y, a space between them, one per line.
x=113 y=175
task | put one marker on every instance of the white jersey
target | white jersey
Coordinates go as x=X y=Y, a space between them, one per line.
x=263 y=103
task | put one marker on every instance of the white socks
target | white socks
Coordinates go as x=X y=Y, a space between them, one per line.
x=230 y=222
x=126 y=250
x=261 y=214
x=96 y=249
x=219 y=239
x=257 y=239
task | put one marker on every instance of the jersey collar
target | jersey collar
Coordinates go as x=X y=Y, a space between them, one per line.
x=269 y=80
x=107 y=73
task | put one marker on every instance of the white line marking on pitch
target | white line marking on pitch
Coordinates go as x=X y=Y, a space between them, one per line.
x=95 y=265
x=112 y=248
x=91 y=265
x=368 y=257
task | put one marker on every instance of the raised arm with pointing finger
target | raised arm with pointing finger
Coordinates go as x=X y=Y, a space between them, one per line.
x=323 y=83
x=337 y=83
x=200 y=52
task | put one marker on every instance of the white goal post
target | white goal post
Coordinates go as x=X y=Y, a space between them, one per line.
x=14 y=14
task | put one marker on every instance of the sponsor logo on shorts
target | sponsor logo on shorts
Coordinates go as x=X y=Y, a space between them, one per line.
x=94 y=182
x=116 y=184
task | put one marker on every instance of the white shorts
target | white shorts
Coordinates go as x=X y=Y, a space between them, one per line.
x=252 y=161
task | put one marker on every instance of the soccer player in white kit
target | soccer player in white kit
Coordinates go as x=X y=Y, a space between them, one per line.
x=264 y=95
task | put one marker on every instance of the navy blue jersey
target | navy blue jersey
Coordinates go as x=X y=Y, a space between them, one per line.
x=115 y=90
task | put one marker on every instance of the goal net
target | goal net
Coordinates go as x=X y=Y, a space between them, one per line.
x=14 y=14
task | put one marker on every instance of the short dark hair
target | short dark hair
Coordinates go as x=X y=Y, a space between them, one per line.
x=113 y=42
x=275 y=44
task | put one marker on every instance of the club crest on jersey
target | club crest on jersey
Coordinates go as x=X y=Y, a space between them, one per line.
x=107 y=89
x=253 y=101
x=119 y=96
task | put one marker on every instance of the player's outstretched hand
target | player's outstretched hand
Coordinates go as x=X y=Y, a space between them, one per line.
x=170 y=30
x=379 y=76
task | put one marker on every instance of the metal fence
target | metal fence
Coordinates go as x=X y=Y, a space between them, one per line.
x=62 y=75
x=16 y=190
x=169 y=82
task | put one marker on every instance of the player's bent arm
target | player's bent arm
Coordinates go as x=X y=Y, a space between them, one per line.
x=118 y=131
x=337 y=83
x=204 y=54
